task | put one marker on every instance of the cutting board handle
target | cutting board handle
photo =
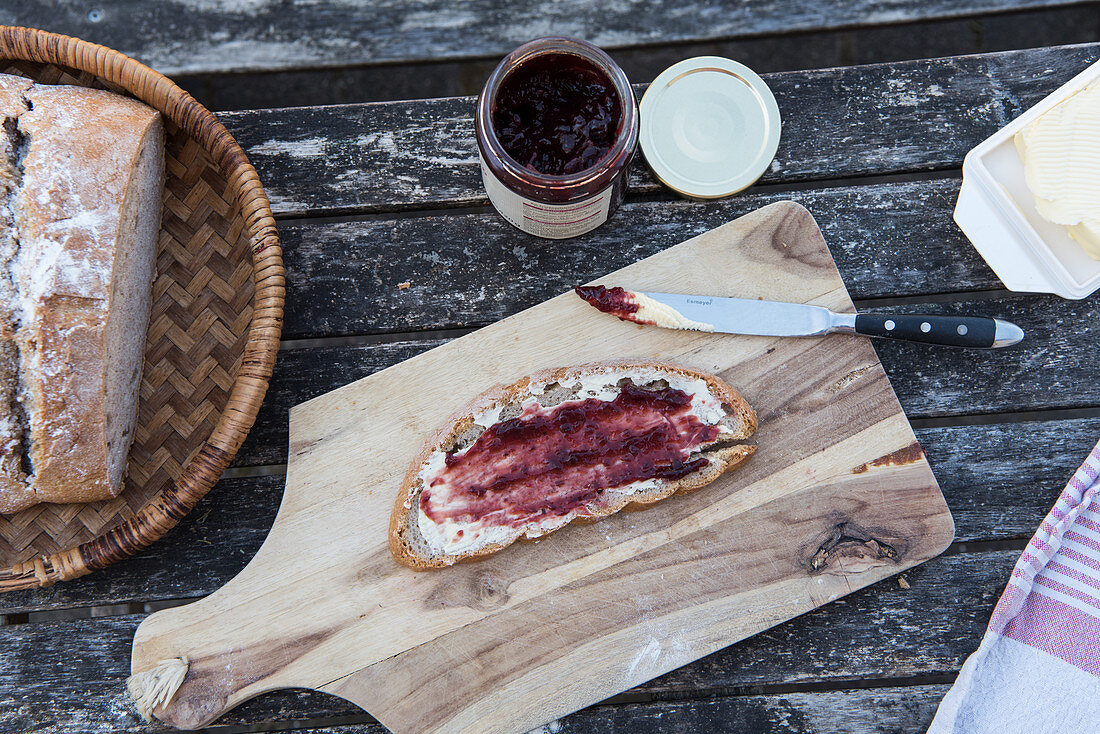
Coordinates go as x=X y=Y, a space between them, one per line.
x=191 y=664
x=224 y=650
x=180 y=680
x=152 y=689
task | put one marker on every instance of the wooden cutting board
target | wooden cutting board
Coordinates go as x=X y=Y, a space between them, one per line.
x=838 y=496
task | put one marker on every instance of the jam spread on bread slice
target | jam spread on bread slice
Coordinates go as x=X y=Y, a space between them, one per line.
x=524 y=460
x=550 y=462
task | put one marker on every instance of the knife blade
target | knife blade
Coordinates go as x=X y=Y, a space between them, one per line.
x=775 y=318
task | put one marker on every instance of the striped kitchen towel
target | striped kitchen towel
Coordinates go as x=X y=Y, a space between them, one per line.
x=1038 y=666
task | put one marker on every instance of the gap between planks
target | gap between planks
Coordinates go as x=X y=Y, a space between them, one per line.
x=386 y=337
x=1022 y=416
x=393 y=337
x=97 y=611
x=395 y=211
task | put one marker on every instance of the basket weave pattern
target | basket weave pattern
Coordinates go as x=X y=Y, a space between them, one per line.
x=202 y=306
x=213 y=330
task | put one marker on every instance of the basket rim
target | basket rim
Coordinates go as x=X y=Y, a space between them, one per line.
x=162 y=512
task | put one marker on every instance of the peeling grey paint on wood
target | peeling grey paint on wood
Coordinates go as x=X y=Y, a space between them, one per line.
x=890 y=710
x=809 y=50
x=853 y=121
x=193 y=36
x=927 y=629
x=886 y=710
x=999 y=480
x=466 y=269
x=83 y=690
x=1045 y=371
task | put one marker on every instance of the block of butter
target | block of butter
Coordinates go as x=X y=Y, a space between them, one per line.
x=1030 y=195
x=1060 y=151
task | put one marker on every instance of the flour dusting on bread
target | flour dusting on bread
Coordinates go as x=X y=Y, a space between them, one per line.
x=81 y=178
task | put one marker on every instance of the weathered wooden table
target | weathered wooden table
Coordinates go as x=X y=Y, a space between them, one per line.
x=391 y=249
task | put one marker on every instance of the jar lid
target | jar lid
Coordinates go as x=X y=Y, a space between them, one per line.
x=709 y=127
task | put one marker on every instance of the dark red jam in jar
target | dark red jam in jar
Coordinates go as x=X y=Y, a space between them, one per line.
x=557 y=114
x=557 y=126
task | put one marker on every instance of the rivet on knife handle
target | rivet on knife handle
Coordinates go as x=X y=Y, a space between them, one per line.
x=956 y=331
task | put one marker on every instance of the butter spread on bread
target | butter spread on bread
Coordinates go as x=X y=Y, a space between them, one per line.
x=82 y=176
x=576 y=443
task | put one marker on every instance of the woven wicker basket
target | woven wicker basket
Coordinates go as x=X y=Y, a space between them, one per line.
x=213 y=333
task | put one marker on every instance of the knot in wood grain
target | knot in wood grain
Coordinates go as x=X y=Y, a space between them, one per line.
x=464 y=586
x=487 y=592
x=798 y=247
x=849 y=548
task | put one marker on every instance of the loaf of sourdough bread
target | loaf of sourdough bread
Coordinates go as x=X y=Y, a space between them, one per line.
x=82 y=176
x=577 y=443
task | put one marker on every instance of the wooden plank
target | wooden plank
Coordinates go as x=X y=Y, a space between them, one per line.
x=822 y=49
x=189 y=36
x=1001 y=479
x=470 y=269
x=1045 y=371
x=890 y=710
x=994 y=486
x=930 y=382
x=851 y=121
x=925 y=630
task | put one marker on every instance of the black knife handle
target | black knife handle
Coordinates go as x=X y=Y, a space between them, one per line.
x=953 y=331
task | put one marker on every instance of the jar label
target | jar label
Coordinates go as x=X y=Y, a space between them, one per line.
x=553 y=221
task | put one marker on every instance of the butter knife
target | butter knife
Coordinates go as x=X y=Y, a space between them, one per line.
x=774 y=318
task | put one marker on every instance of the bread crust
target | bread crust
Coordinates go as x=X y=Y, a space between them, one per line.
x=722 y=460
x=81 y=156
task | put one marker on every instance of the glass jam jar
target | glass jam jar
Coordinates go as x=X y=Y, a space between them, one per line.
x=557 y=126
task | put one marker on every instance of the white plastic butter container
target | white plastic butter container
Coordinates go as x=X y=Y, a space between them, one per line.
x=996 y=210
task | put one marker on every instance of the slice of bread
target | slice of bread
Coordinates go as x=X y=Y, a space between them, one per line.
x=498 y=507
